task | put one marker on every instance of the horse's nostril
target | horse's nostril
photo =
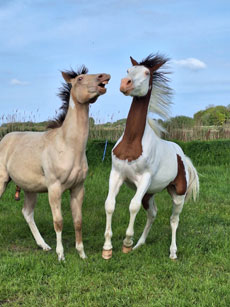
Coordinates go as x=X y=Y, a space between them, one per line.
x=100 y=76
x=129 y=82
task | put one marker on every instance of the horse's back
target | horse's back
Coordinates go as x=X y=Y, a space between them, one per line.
x=20 y=143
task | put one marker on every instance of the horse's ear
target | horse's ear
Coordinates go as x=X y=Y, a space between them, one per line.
x=66 y=77
x=157 y=66
x=134 y=62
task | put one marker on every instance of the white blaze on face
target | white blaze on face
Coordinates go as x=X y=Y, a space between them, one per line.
x=140 y=76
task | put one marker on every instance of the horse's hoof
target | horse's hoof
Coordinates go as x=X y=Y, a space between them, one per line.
x=46 y=247
x=173 y=258
x=107 y=254
x=126 y=249
x=83 y=257
x=61 y=258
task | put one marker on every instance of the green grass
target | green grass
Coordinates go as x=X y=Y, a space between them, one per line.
x=145 y=277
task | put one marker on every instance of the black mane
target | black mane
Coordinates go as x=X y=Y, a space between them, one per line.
x=64 y=94
x=153 y=60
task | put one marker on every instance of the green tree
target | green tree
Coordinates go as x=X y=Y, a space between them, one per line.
x=180 y=122
x=213 y=116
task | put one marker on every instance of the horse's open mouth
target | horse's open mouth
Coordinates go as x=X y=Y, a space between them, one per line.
x=101 y=86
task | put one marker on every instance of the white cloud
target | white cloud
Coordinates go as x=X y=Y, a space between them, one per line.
x=18 y=82
x=191 y=63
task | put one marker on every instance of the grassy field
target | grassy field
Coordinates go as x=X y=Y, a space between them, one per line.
x=146 y=277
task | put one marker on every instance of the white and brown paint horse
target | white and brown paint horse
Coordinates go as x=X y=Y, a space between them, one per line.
x=55 y=160
x=143 y=160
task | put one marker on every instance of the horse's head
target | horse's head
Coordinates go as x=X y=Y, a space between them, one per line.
x=87 y=88
x=140 y=76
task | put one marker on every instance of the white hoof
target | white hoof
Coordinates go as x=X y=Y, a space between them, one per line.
x=61 y=258
x=80 y=249
x=46 y=247
x=83 y=255
x=173 y=256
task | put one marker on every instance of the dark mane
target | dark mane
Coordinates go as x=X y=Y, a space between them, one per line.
x=64 y=94
x=155 y=59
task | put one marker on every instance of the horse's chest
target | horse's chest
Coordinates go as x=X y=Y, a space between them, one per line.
x=131 y=171
x=129 y=152
x=74 y=176
x=70 y=171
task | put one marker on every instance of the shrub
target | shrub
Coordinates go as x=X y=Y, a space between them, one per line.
x=200 y=152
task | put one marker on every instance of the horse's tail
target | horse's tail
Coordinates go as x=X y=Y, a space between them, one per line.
x=193 y=184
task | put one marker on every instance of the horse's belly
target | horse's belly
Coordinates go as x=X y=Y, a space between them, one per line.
x=162 y=175
x=28 y=177
x=162 y=179
x=29 y=182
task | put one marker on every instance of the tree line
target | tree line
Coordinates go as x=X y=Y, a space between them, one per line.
x=211 y=116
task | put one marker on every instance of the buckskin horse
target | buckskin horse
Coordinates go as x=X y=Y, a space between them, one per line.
x=54 y=161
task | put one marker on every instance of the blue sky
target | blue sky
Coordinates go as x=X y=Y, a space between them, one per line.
x=39 y=38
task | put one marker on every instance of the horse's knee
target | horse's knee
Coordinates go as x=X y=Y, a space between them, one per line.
x=134 y=206
x=78 y=225
x=58 y=225
x=109 y=206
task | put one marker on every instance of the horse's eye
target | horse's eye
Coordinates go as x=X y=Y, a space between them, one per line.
x=79 y=79
x=147 y=73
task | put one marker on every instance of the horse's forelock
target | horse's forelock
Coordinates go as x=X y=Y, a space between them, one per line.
x=153 y=60
x=73 y=74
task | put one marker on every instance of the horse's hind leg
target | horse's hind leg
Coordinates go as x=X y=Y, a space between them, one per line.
x=178 y=202
x=151 y=210
x=28 y=212
x=4 y=179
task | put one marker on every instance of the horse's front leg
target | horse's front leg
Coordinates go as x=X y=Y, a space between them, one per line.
x=134 y=208
x=54 y=194
x=115 y=182
x=77 y=195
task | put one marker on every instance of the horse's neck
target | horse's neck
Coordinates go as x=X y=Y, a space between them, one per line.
x=136 y=121
x=75 y=127
x=130 y=147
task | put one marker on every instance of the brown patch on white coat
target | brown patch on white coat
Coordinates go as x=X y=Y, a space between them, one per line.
x=180 y=182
